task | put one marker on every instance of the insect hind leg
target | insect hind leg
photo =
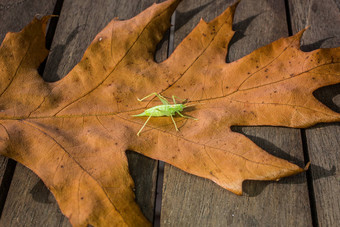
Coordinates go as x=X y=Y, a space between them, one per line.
x=186 y=116
x=140 y=130
x=174 y=122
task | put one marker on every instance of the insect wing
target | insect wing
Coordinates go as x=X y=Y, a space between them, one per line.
x=157 y=111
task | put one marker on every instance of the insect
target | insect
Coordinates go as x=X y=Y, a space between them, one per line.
x=166 y=109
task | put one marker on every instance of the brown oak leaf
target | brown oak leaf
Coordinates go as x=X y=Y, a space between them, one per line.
x=73 y=133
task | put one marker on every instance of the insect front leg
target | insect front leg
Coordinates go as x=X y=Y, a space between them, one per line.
x=163 y=100
x=147 y=96
x=140 y=130
x=174 y=100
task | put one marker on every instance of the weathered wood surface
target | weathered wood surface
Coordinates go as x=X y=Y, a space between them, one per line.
x=14 y=15
x=192 y=201
x=13 y=21
x=189 y=200
x=79 y=23
x=323 y=141
x=29 y=202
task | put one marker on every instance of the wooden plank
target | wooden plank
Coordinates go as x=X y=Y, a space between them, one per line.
x=323 y=141
x=14 y=15
x=192 y=201
x=3 y=164
x=29 y=202
x=17 y=14
x=78 y=24
x=80 y=21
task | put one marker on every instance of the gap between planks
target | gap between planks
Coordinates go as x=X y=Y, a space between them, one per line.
x=160 y=170
x=11 y=164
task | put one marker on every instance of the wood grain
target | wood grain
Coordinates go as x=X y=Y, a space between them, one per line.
x=14 y=15
x=17 y=14
x=3 y=164
x=189 y=200
x=29 y=203
x=192 y=201
x=78 y=24
x=323 y=141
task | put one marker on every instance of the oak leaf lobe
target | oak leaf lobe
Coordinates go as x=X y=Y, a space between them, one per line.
x=75 y=139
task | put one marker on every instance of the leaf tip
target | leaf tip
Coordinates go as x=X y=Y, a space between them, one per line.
x=43 y=21
x=171 y=2
x=235 y=4
x=306 y=167
x=300 y=33
x=228 y=15
x=297 y=38
x=233 y=7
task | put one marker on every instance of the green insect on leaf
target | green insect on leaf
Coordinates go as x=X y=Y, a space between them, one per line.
x=167 y=109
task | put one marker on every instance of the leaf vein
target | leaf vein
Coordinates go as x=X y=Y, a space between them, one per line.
x=283 y=104
x=189 y=67
x=17 y=70
x=69 y=154
x=269 y=63
x=204 y=145
x=115 y=67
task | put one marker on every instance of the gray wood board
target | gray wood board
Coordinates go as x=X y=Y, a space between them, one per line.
x=29 y=202
x=78 y=24
x=192 y=201
x=3 y=164
x=14 y=15
x=323 y=141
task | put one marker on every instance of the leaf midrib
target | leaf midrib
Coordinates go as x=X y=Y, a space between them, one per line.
x=115 y=67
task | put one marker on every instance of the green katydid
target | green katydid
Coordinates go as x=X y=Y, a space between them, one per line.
x=166 y=109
